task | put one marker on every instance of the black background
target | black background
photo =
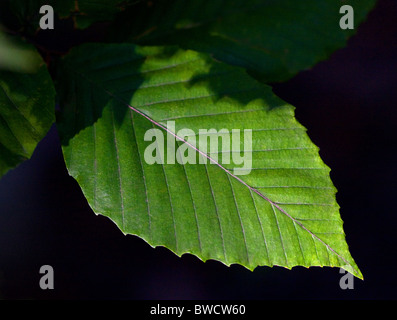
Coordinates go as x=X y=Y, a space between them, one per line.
x=348 y=103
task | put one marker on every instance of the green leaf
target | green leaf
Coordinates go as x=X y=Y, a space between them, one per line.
x=27 y=103
x=282 y=213
x=18 y=56
x=273 y=39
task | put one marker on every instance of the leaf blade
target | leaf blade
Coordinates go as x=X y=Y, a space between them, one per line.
x=203 y=209
x=27 y=104
x=272 y=39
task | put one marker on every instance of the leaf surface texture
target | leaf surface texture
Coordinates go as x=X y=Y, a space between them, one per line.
x=282 y=213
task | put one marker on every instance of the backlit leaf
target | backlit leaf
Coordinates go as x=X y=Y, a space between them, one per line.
x=283 y=212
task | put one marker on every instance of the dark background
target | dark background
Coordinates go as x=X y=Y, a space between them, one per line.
x=348 y=103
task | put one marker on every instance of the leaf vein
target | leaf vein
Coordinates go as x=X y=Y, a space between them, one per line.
x=169 y=198
x=217 y=212
x=118 y=169
x=239 y=217
x=143 y=174
x=193 y=203
x=261 y=226
x=279 y=231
